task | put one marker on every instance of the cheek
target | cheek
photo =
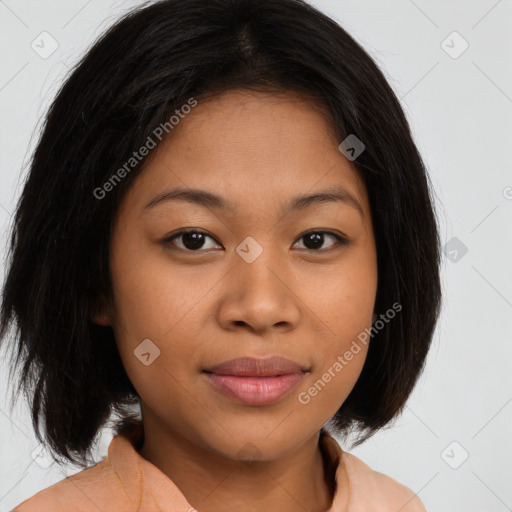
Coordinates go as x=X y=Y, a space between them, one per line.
x=155 y=299
x=342 y=298
x=343 y=302
x=157 y=321
x=328 y=387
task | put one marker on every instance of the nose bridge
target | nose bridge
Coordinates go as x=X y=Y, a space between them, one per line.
x=258 y=263
x=260 y=293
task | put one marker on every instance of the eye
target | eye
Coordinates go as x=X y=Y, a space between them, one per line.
x=192 y=240
x=313 y=240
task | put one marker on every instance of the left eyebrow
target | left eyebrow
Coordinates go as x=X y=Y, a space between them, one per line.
x=214 y=201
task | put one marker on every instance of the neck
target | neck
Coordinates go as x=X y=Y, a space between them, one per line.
x=215 y=483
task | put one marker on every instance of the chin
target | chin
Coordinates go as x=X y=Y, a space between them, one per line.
x=252 y=441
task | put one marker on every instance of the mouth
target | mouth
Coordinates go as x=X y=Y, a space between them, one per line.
x=254 y=381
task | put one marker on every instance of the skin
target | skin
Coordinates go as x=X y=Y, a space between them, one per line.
x=203 y=307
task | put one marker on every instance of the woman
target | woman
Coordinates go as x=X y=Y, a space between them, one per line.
x=228 y=223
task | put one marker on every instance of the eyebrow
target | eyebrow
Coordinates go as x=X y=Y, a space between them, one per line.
x=211 y=200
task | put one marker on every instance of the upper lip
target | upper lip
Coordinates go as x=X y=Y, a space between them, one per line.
x=257 y=367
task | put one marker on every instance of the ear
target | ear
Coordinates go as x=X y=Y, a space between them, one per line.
x=374 y=317
x=102 y=315
x=101 y=319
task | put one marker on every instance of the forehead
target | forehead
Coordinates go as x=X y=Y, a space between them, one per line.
x=252 y=148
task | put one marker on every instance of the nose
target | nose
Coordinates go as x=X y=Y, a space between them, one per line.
x=260 y=296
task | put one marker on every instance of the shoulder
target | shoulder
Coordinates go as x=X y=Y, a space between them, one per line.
x=361 y=489
x=84 y=491
x=371 y=488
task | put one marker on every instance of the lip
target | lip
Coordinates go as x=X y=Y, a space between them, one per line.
x=256 y=381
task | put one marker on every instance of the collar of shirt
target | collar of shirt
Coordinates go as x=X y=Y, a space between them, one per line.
x=124 y=480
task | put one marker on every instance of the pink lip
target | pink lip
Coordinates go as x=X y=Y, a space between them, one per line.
x=256 y=381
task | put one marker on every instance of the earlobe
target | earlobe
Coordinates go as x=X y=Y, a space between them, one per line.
x=101 y=319
x=101 y=316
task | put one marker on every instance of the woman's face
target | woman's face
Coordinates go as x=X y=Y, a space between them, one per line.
x=255 y=284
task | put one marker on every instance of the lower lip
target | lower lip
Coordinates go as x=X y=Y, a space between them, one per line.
x=255 y=390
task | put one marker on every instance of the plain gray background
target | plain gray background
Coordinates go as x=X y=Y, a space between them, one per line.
x=452 y=444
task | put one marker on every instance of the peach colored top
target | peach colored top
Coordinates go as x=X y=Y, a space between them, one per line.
x=124 y=481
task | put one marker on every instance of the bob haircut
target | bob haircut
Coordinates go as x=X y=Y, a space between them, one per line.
x=136 y=75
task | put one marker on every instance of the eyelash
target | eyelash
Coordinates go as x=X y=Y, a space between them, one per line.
x=340 y=241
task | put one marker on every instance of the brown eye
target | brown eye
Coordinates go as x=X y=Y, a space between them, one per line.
x=194 y=240
x=191 y=240
x=314 y=240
